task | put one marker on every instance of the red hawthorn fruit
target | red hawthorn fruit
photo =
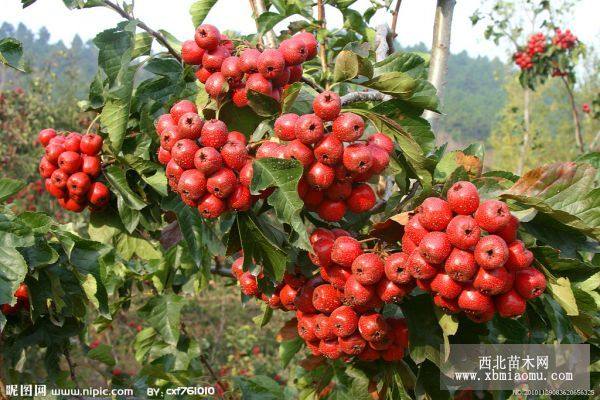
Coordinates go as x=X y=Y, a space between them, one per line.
x=183 y=152
x=213 y=59
x=326 y=298
x=476 y=305
x=368 y=268
x=435 y=214
x=393 y=353
x=408 y=246
x=327 y=105
x=381 y=140
x=321 y=233
x=314 y=348
x=246 y=174
x=460 y=265
x=270 y=63
x=492 y=215
x=45 y=135
x=79 y=183
x=369 y=354
x=59 y=178
x=295 y=280
x=309 y=128
x=424 y=284
x=296 y=150
x=345 y=250
x=310 y=42
x=509 y=232
x=419 y=268
x=234 y=154
x=372 y=327
x=91 y=165
x=269 y=149
x=98 y=195
x=395 y=268
x=46 y=168
x=208 y=160
x=323 y=327
x=510 y=304
x=518 y=256
x=295 y=73
x=348 y=127
x=415 y=231
x=381 y=159
x=339 y=191
x=344 y=321
x=216 y=85
x=72 y=142
x=357 y=158
x=248 y=284
x=249 y=61
x=287 y=295
x=240 y=199
x=190 y=126
x=306 y=328
x=320 y=176
x=192 y=184
x=463 y=232
x=210 y=206
x=231 y=70
x=70 y=204
x=91 y=144
x=240 y=97
x=169 y=137
x=294 y=51
x=312 y=199
x=202 y=74
x=389 y=292
x=69 y=162
x=445 y=286
x=285 y=127
x=207 y=36
x=356 y=294
x=304 y=300
x=221 y=183
x=463 y=198
x=235 y=136
x=491 y=252
x=191 y=53
x=529 y=283
x=330 y=349
x=361 y=199
x=435 y=247
x=329 y=150
x=332 y=211
x=237 y=268
x=53 y=151
x=214 y=134
x=352 y=345
x=182 y=107
x=449 y=306
x=335 y=275
x=281 y=80
x=54 y=190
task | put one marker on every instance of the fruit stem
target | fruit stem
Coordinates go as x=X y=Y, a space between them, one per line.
x=92 y=123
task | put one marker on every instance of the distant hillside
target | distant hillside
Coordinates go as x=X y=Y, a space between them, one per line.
x=474 y=94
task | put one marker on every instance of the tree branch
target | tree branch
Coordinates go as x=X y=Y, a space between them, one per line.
x=440 y=51
x=578 y=135
x=71 y=367
x=322 y=25
x=258 y=8
x=157 y=35
x=356 y=97
x=395 y=18
x=313 y=84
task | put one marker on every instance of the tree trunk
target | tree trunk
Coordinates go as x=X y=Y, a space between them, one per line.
x=258 y=7
x=440 y=50
x=322 y=25
x=578 y=134
x=526 y=126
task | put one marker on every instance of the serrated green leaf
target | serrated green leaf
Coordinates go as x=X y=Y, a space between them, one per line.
x=420 y=316
x=283 y=175
x=289 y=96
x=393 y=83
x=267 y=21
x=11 y=53
x=346 y=66
x=103 y=354
x=243 y=119
x=259 y=387
x=163 y=313
x=142 y=45
x=409 y=63
x=12 y=272
x=263 y=105
x=200 y=9
x=288 y=349
x=118 y=182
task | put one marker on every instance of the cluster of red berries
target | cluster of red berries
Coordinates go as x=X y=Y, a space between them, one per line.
x=207 y=165
x=446 y=252
x=70 y=167
x=267 y=72
x=336 y=164
x=337 y=310
x=564 y=40
x=22 y=295
x=523 y=60
x=536 y=44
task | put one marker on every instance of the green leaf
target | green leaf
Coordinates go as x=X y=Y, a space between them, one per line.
x=420 y=316
x=263 y=105
x=562 y=191
x=409 y=63
x=41 y=254
x=11 y=53
x=129 y=216
x=563 y=294
x=288 y=349
x=346 y=66
x=142 y=45
x=267 y=21
x=12 y=272
x=394 y=83
x=200 y=9
x=359 y=386
x=163 y=313
x=103 y=354
x=284 y=175
x=192 y=227
x=243 y=119
x=158 y=181
x=259 y=247
x=128 y=245
x=289 y=96
x=561 y=325
x=115 y=114
x=118 y=181
x=259 y=387
x=9 y=187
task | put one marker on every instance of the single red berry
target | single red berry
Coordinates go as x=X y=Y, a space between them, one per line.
x=59 y=178
x=221 y=183
x=237 y=268
x=208 y=160
x=435 y=214
x=249 y=61
x=210 y=206
x=91 y=144
x=476 y=305
x=69 y=161
x=445 y=286
x=270 y=149
x=240 y=199
x=91 y=165
x=492 y=215
x=463 y=232
x=408 y=246
x=287 y=295
x=449 y=306
x=327 y=105
x=309 y=129
x=509 y=232
x=518 y=256
x=381 y=159
x=339 y=191
x=285 y=127
x=45 y=135
x=491 y=252
x=216 y=85
x=240 y=97
x=361 y=199
x=395 y=268
x=191 y=53
x=321 y=233
x=183 y=152
x=73 y=142
x=463 y=198
x=207 y=36
x=415 y=231
x=98 y=195
x=192 y=184
x=530 y=283
x=344 y=321
x=326 y=298
x=320 y=176
x=163 y=122
x=419 y=268
x=348 y=127
x=202 y=74
x=79 y=183
x=214 y=134
x=390 y=292
x=234 y=154
x=435 y=247
x=353 y=344
x=231 y=70
x=54 y=190
x=53 y=151
x=182 y=107
x=356 y=294
x=248 y=284
x=460 y=265
x=357 y=158
x=169 y=137
x=510 y=304
x=173 y=171
x=372 y=327
x=335 y=275
x=306 y=328
x=312 y=199
x=329 y=150
x=310 y=42
x=331 y=210
x=323 y=328
x=381 y=140
x=296 y=150
x=46 y=168
x=345 y=250
x=294 y=51
x=270 y=63
x=330 y=349
x=368 y=268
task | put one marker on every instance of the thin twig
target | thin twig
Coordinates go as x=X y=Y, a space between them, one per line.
x=356 y=97
x=157 y=35
x=322 y=25
x=395 y=18
x=578 y=136
x=71 y=367
x=313 y=84
x=259 y=7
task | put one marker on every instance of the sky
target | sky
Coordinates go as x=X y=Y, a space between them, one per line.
x=415 y=21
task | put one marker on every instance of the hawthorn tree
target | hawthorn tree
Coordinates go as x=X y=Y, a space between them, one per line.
x=147 y=240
